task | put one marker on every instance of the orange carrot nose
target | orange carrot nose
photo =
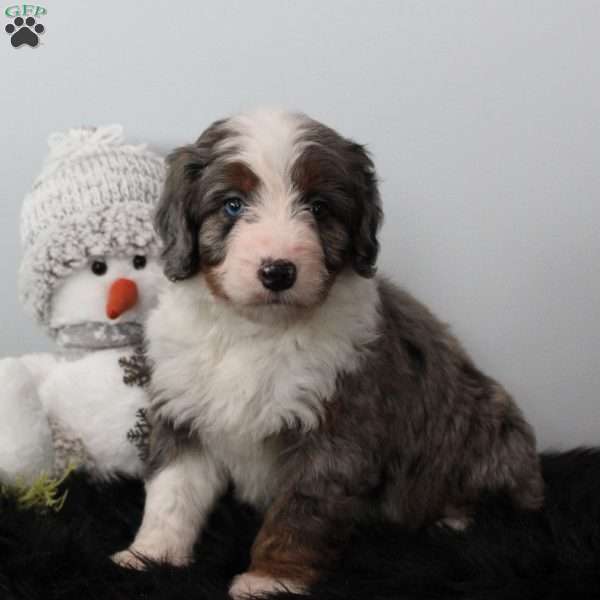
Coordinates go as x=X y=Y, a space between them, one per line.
x=123 y=295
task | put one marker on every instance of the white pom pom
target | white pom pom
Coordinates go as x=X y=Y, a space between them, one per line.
x=62 y=143
x=68 y=144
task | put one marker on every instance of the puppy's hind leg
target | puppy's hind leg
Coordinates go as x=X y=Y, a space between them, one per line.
x=179 y=498
x=523 y=475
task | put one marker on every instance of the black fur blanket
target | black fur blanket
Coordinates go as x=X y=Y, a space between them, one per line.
x=553 y=554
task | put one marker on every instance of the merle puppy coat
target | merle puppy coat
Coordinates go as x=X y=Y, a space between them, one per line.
x=280 y=363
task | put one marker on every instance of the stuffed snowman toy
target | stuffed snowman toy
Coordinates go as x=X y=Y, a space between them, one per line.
x=89 y=275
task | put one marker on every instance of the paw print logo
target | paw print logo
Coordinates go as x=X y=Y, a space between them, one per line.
x=24 y=32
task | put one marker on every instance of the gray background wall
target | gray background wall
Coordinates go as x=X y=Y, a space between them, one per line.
x=483 y=118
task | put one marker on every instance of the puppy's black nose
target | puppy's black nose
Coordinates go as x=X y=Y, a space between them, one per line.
x=277 y=275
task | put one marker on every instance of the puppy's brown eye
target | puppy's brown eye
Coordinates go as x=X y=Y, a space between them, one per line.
x=318 y=208
x=139 y=262
x=99 y=267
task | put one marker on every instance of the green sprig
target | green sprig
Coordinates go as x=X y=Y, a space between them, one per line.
x=43 y=494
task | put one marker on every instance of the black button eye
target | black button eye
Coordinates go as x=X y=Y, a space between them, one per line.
x=318 y=208
x=139 y=262
x=99 y=267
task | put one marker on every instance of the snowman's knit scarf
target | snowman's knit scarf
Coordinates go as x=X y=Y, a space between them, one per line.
x=98 y=336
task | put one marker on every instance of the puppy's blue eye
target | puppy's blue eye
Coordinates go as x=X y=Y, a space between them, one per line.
x=234 y=206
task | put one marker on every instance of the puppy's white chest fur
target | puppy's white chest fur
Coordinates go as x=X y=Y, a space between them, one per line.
x=238 y=381
x=251 y=464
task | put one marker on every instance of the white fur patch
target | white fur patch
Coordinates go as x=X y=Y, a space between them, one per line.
x=239 y=378
x=268 y=142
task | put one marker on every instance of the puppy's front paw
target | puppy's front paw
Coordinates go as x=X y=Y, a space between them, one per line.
x=128 y=559
x=248 y=585
x=138 y=559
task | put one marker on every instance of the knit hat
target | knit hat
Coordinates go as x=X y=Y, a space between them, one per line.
x=94 y=197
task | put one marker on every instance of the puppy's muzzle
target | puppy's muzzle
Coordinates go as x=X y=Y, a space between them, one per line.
x=277 y=275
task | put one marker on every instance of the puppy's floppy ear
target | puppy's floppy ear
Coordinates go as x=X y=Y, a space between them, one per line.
x=365 y=243
x=177 y=217
x=174 y=220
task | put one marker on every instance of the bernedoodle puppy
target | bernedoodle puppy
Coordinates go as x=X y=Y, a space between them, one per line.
x=326 y=395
